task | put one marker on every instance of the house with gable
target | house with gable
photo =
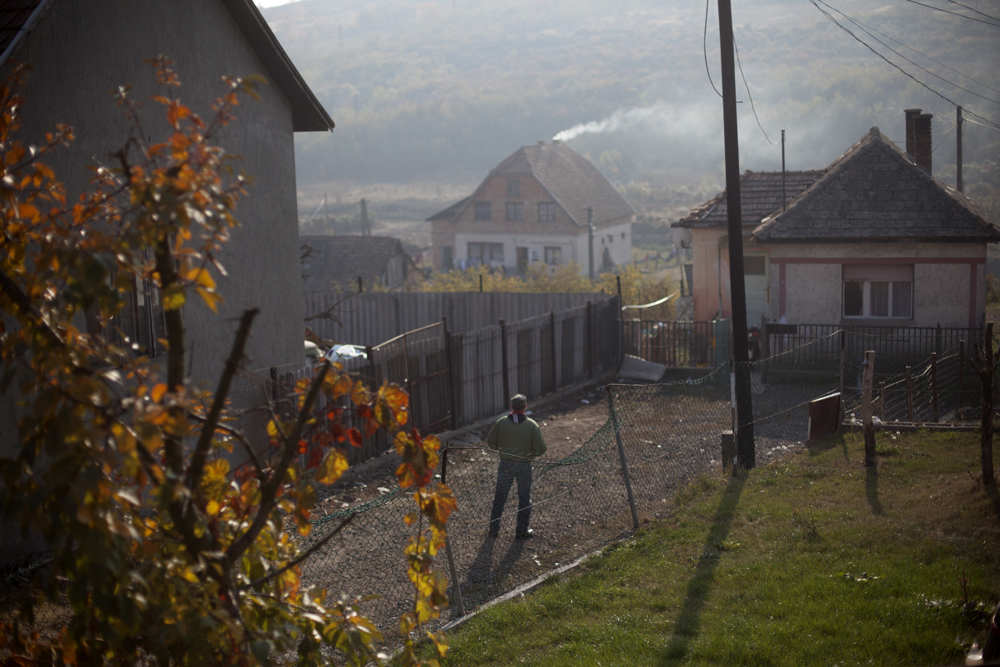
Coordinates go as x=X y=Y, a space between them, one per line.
x=79 y=51
x=878 y=240
x=544 y=204
x=761 y=193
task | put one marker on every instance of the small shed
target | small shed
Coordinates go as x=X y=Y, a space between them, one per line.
x=336 y=263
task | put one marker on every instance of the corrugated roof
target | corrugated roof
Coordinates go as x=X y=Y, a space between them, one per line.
x=17 y=18
x=875 y=191
x=760 y=196
x=337 y=261
x=571 y=179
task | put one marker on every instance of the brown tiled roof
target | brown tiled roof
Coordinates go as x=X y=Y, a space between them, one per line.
x=760 y=196
x=571 y=179
x=337 y=261
x=874 y=191
x=308 y=115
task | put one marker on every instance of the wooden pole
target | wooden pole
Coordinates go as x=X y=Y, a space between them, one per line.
x=503 y=358
x=961 y=376
x=909 y=394
x=934 y=385
x=866 y=409
x=621 y=455
x=985 y=365
x=843 y=335
x=881 y=401
x=456 y=585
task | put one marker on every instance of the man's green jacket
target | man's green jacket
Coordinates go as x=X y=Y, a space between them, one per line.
x=516 y=441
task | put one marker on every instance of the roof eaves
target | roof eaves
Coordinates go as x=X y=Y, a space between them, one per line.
x=25 y=28
x=308 y=115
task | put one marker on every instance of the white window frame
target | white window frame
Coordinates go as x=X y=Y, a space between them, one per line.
x=892 y=275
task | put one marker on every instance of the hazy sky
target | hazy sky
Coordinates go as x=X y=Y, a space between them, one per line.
x=271 y=3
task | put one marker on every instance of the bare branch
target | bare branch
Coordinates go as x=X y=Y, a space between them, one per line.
x=308 y=552
x=197 y=463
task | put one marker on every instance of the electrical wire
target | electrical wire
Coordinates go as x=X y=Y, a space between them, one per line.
x=969 y=120
x=924 y=55
x=938 y=139
x=974 y=10
x=827 y=14
x=971 y=18
x=737 y=49
x=704 y=49
x=915 y=64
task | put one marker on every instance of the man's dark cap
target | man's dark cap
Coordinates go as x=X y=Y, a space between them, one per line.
x=519 y=401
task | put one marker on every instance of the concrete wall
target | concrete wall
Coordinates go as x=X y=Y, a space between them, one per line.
x=708 y=267
x=82 y=50
x=530 y=233
x=949 y=281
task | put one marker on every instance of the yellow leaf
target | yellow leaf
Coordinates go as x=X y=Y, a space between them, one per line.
x=174 y=297
x=211 y=298
x=333 y=465
x=158 y=391
x=213 y=508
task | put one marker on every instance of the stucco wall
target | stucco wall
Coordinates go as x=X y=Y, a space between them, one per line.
x=943 y=283
x=82 y=50
x=707 y=269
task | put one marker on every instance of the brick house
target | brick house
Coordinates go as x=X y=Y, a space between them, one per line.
x=537 y=207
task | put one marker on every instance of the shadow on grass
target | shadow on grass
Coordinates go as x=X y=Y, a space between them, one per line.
x=689 y=619
x=994 y=495
x=871 y=491
x=826 y=443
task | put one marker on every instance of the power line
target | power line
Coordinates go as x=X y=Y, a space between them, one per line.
x=915 y=64
x=737 y=49
x=827 y=14
x=974 y=10
x=924 y=55
x=941 y=143
x=938 y=9
x=969 y=120
x=704 y=49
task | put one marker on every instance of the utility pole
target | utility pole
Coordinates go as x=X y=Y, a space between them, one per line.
x=326 y=216
x=366 y=229
x=783 y=198
x=744 y=410
x=958 y=149
x=590 y=240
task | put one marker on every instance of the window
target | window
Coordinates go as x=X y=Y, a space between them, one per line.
x=485 y=253
x=140 y=323
x=514 y=188
x=546 y=211
x=515 y=211
x=553 y=254
x=483 y=210
x=754 y=265
x=878 y=291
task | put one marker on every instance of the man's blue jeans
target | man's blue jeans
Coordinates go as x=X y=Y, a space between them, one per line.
x=507 y=473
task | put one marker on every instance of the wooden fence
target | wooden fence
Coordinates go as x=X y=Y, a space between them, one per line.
x=371 y=318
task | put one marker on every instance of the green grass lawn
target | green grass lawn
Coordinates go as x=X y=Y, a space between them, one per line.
x=813 y=560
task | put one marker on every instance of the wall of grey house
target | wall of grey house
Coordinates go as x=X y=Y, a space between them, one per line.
x=371 y=318
x=80 y=51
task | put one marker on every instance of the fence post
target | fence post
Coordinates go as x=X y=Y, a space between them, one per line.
x=909 y=394
x=621 y=455
x=503 y=360
x=866 y=409
x=961 y=377
x=934 y=386
x=555 y=366
x=590 y=340
x=937 y=340
x=451 y=375
x=274 y=384
x=840 y=421
x=881 y=401
x=456 y=587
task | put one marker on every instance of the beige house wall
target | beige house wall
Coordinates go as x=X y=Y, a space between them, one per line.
x=949 y=281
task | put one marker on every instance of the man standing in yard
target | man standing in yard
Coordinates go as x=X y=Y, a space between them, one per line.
x=519 y=440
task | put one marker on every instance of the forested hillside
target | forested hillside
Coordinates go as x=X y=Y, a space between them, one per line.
x=439 y=92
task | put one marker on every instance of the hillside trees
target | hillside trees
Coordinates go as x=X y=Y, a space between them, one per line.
x=160 y=551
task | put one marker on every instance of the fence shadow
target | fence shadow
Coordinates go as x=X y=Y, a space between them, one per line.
x=689 y=618
x=993 y=492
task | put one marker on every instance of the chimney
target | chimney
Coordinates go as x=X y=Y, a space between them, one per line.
x=922 y=141
x=918 y=137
